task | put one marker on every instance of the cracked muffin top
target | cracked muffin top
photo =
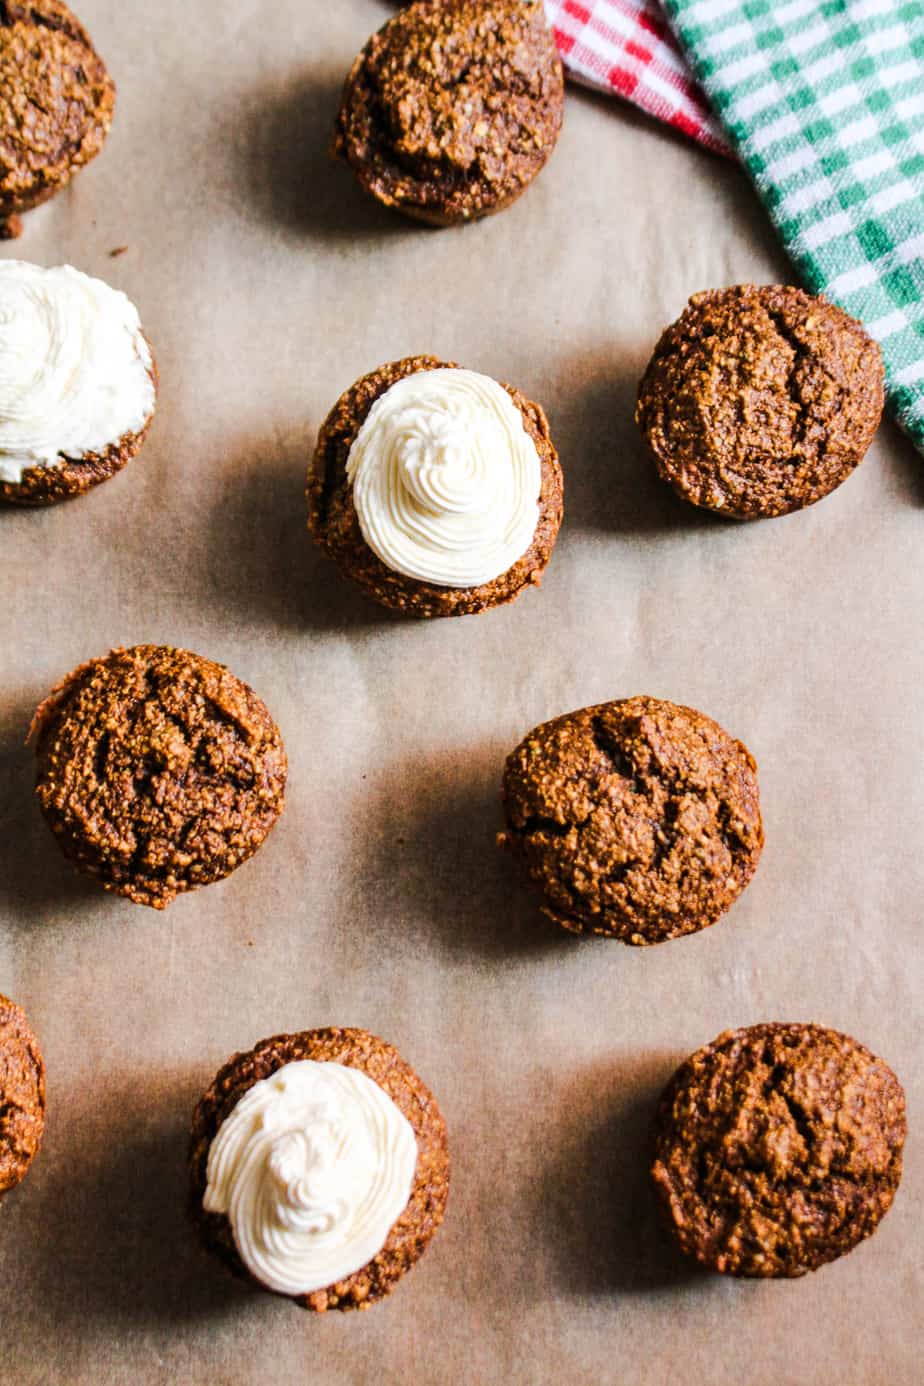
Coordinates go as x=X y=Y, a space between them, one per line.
x=56 y=102
x=760 y=401
x=638 y=820
x=778 y=1148
x=22 y=1095
x=451 y=110
x=158 y=771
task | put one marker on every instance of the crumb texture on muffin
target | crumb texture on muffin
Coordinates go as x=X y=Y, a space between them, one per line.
x=334 y=524
x=452 y=109
x=778 y=1148
x=417 y=1225
x=760 y=400
x=158 y=771
x=638 y=820
x=22 y=1095
x=56 y=102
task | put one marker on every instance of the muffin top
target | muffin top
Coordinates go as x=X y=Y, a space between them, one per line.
x=158 y=771
x=319 y=1167
x=22 y=1095
x=759 y=401
x=778 y=1148
x=77 y=376
x=435 y=488
x=56 y=101
x=452 y=109
x=639 y=820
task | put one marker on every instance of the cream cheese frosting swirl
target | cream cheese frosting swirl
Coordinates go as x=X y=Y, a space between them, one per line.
x=445 y=479
x=312 y=1168
x=75 y=369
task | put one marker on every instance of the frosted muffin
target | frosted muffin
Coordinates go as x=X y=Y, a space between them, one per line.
x=157 y=771
x=56 y=104
x=436 y=489
x=78 y=383
x=22 y=1095
x=319 y=1167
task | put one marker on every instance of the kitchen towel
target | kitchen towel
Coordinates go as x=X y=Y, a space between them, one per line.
x=626 y=47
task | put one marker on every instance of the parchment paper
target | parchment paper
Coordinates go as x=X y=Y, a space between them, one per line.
x=267 y=284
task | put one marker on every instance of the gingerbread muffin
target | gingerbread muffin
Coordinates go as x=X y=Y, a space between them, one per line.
x=435 y=489
x=777 y=1149
x=451 y=110
x=637 y=820
x=759 y=401
x=56 y=104
x=78 y=383
x=22 y=1095
x=319 y=1167
x=158 y=771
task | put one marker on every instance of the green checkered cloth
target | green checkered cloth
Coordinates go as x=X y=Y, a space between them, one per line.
x=824 y=100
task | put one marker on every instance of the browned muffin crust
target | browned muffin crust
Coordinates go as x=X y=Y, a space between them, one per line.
x=56 y=103
x=451 y=110
x=415 y=1228
x=158 y=771
x=22 y=1095
x=777 y=1149
x=76 y=475
x=638 y=820
x=760 y=401
x=333 y=523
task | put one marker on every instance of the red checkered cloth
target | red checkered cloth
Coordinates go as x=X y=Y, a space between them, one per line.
x=626 y=47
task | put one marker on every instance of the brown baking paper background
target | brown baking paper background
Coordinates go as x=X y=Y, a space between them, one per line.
x=267 y=284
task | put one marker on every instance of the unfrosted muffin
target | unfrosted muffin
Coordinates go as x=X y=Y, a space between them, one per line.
x=22 y=1095
x=319 y=1167
x=56 y=104
x=451 y=110
x=78 y=383
x=638 y=820
x=158 y=771
x=778 y=1148
x=435 y=489
x=759 y=401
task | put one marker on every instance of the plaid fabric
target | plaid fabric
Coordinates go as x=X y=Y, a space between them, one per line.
x=626 y=47
x=824 y=100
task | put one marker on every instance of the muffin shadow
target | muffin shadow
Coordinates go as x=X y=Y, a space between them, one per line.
x=288 y=172
x=432 y=849
x=611 y=484
x=275 y=573
x=606 y=1234
x=35 y=878
x=119 y=1246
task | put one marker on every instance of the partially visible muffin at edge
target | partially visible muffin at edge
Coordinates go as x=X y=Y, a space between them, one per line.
x=22 y=1095
x=637 y=820
x=56 y=104
x=452 y=109
x=777 y=1149
x=436 y=435
x=158 y=771
x=759 y=401
x=268 y=1229
x=78 y=383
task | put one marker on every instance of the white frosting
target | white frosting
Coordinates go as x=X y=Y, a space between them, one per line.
x=312 y=1168
x=75 y=369
x=446 y=479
